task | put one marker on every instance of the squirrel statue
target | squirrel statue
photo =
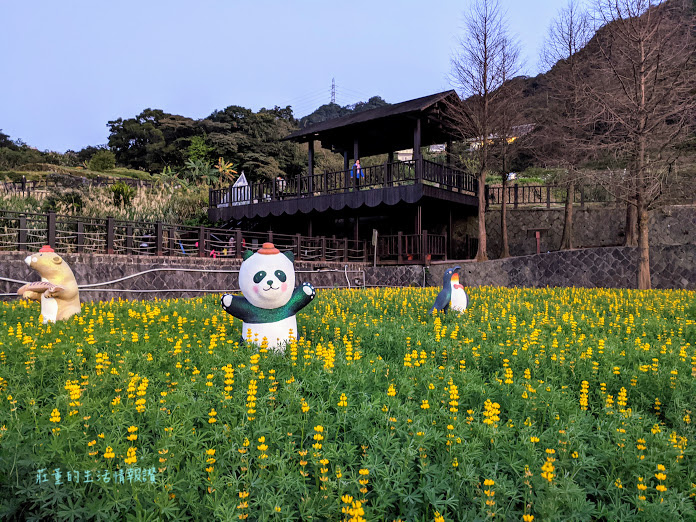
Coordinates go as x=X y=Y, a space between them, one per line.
x=57 y=290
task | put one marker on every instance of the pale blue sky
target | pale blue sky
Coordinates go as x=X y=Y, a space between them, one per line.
x=68 y=67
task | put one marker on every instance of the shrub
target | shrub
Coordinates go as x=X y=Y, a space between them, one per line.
x=102 y=160
x=122 y=194
x=70 y=201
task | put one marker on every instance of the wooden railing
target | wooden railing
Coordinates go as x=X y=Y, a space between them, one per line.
x=545 y=195
x=377 y=176
x=29 y=232
x=411 y=248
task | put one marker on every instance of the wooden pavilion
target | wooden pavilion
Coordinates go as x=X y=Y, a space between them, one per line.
x=412 y=204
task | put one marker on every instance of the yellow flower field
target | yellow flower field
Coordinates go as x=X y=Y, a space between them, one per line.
x=533 y=405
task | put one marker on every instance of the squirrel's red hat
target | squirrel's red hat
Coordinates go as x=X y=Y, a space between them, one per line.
x=46 y=248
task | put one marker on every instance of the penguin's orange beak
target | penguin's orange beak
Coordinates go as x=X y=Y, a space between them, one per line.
x=455 y=278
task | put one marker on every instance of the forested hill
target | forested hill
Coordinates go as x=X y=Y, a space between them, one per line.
x=537 y=92
x=331 y=111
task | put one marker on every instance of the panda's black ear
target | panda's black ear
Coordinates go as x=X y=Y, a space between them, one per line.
x=290 y=256
x=247 y=254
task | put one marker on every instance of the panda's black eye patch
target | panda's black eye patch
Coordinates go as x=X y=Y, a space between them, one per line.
x=258 y=276
x=281 y=276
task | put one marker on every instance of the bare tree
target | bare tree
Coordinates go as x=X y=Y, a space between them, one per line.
x=506 y=106
x=643 y=93
x=562 y=137
x=486 y=57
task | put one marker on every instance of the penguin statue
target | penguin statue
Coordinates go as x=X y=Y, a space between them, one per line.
x=445 y=297
x=459 y=299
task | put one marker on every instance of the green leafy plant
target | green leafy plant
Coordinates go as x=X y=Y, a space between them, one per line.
x=199 y=171
x=102 y=161
x=122 y=194
x=198 y=150
x=69 y=201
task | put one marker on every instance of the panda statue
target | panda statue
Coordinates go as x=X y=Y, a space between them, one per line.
x=270 y=299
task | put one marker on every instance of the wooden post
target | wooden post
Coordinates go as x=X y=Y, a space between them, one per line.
x=582 y=196
x=448 y=250
x=172 y=241
x=310 y=167
x=548 y=196
x=159 y=238
x=51 y=229
x=80 y=237
x=298 y=242
x=419 y=219
x=425 y=248
x=323 y=248
x=345 y=249
x=238 y=243
x=345 y=170
x=129 y=239
x=22 y=239
x=110 y=233
x=399 y=248
x=201 y=241
x=516 y=191
x=270 y=236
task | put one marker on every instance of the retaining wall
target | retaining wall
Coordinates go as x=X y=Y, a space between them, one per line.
x=593 y=226
x=672 y=266
x=211 y=275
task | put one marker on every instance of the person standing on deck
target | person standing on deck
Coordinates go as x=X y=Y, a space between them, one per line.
x=356 y=173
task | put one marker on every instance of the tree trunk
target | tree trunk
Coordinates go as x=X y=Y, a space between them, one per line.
x=482 y=254
x=505 y=247
x=643 y=247
x=631 y=228
x=567 y=237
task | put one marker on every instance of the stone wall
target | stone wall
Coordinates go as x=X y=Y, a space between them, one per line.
x=593 y=226
x=672 y=266
x=407 y=275
x=165 y=277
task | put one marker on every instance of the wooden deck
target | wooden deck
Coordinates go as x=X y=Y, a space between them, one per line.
x=389 y=183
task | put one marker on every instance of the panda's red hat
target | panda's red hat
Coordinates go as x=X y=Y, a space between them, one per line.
x=268 y=249
x=46 y=248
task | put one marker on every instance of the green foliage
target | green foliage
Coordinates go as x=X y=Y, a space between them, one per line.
x=541 y=175
x=12 y=158
x=198 y=150
x=102 y=161
x=200 y=171
x=252 y=141
x=69 y=201
x=122 y=194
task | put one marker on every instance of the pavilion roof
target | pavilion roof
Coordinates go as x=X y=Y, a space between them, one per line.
x=384 y=129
